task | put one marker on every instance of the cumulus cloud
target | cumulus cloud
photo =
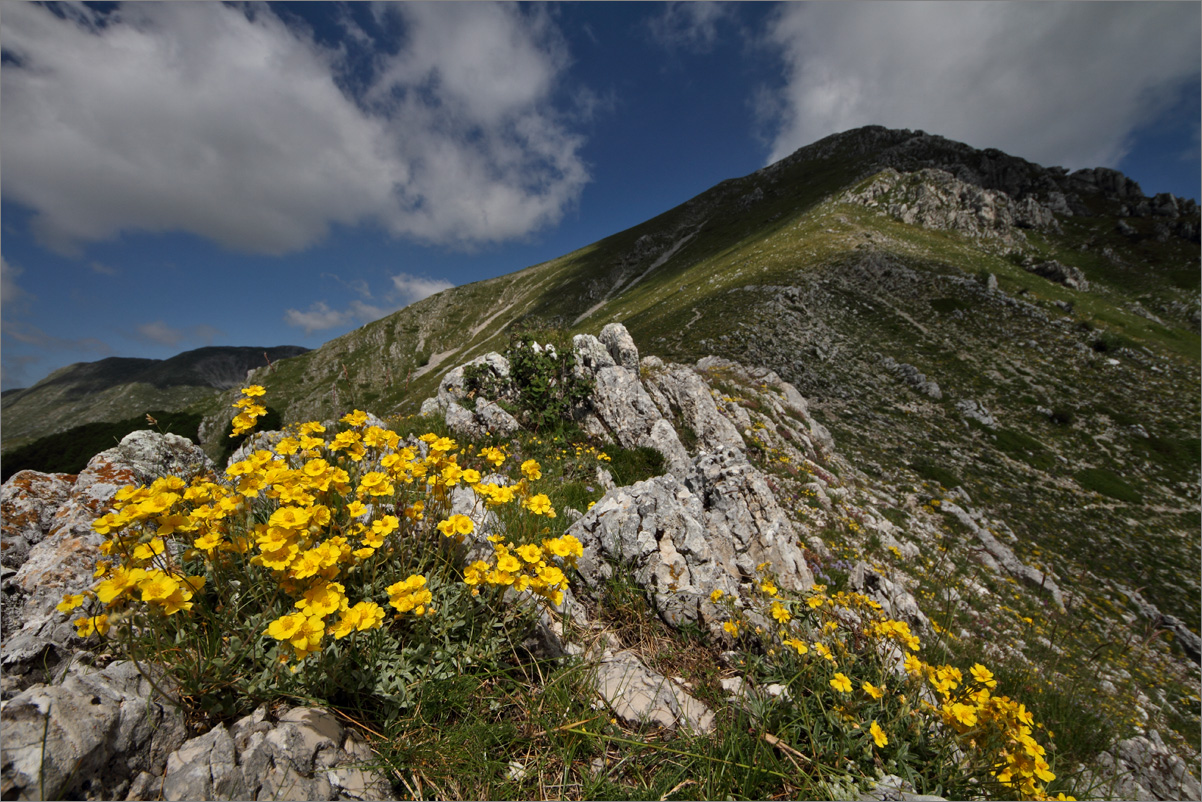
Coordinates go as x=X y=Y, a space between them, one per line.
x=318 y=317
x=406 y=289
x=411 y=289
x=1057 y=83
x=228 y=123
x=689 y=25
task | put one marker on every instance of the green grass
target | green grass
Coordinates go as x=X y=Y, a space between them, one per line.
x=929 y=469
x=1108 y=483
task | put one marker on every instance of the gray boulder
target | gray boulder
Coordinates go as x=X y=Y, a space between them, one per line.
x=64 y=560
x=1004 y=558
x=88 y=735
x=680 y=542
x=1144 y=768
x=621 y=347
x=304 y=754
x=29 y=501
x=1067 y=275
x=640 y=697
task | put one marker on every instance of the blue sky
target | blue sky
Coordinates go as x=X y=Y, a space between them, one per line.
x=184 y=174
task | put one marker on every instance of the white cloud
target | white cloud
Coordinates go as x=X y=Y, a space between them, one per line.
x=159 y=333
x=318 y=317
x=1057 y=83
x=411 y=289
x=689 y=25
x=10 y=293
x=406 y=289
x=225 y=122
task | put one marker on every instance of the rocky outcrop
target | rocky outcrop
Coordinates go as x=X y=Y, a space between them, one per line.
x=913 y=377
x=88 y=735
x=64 y=558
x=1000 y=557
x=466 y=415
x=1144 y=768
x=303 y=753
x=681 y=542
x=1053 y=270
x=938 y=200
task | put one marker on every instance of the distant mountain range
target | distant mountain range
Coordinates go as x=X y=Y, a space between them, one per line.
x=118 y=387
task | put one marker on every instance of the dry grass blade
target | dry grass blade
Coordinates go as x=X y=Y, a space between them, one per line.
x=676 y=788
x=562 y=727
x=789 y=751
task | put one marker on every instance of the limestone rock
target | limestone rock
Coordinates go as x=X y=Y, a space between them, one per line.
x=451 y=388
x=1067 y=275
x=737 y=499
x=304 y=754
x=690 y=397
x=64 y=560
x=892 y=788
x=913 y=377
x=621 y=346
x=975 y=410
x=88 y=735
x=681 y=542
x=28 y=502
x=1144 y=768
x=639 y=696
x=1004 y=556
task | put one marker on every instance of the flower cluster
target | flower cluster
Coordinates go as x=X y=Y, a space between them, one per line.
x=843 y=642
x=316 y=530
x=251 y=410
x=525 y=567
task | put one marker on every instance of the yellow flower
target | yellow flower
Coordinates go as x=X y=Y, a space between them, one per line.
x=385 y=526
x=443 y=444
x=323 y=599
x=410 y=594
x=508 y=563
x=254 y=391
x=878 y=734
x=355 y=418
x=287 y=626
x=823 y=651
x=530 y=553
x=841 y=683
x=69 y=602
x=157 y=586
x=148 y=551
x=768 y=587
x=796 y=644
x=208 y=541
x=983 y=675
x=731 y=628
x=85 y=627
x=532 y=470
x=780 y=613
x=874 y=692
x=716 y=595
x=539 y=504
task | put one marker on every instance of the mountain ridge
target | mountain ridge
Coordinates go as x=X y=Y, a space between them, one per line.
x=107 y=389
